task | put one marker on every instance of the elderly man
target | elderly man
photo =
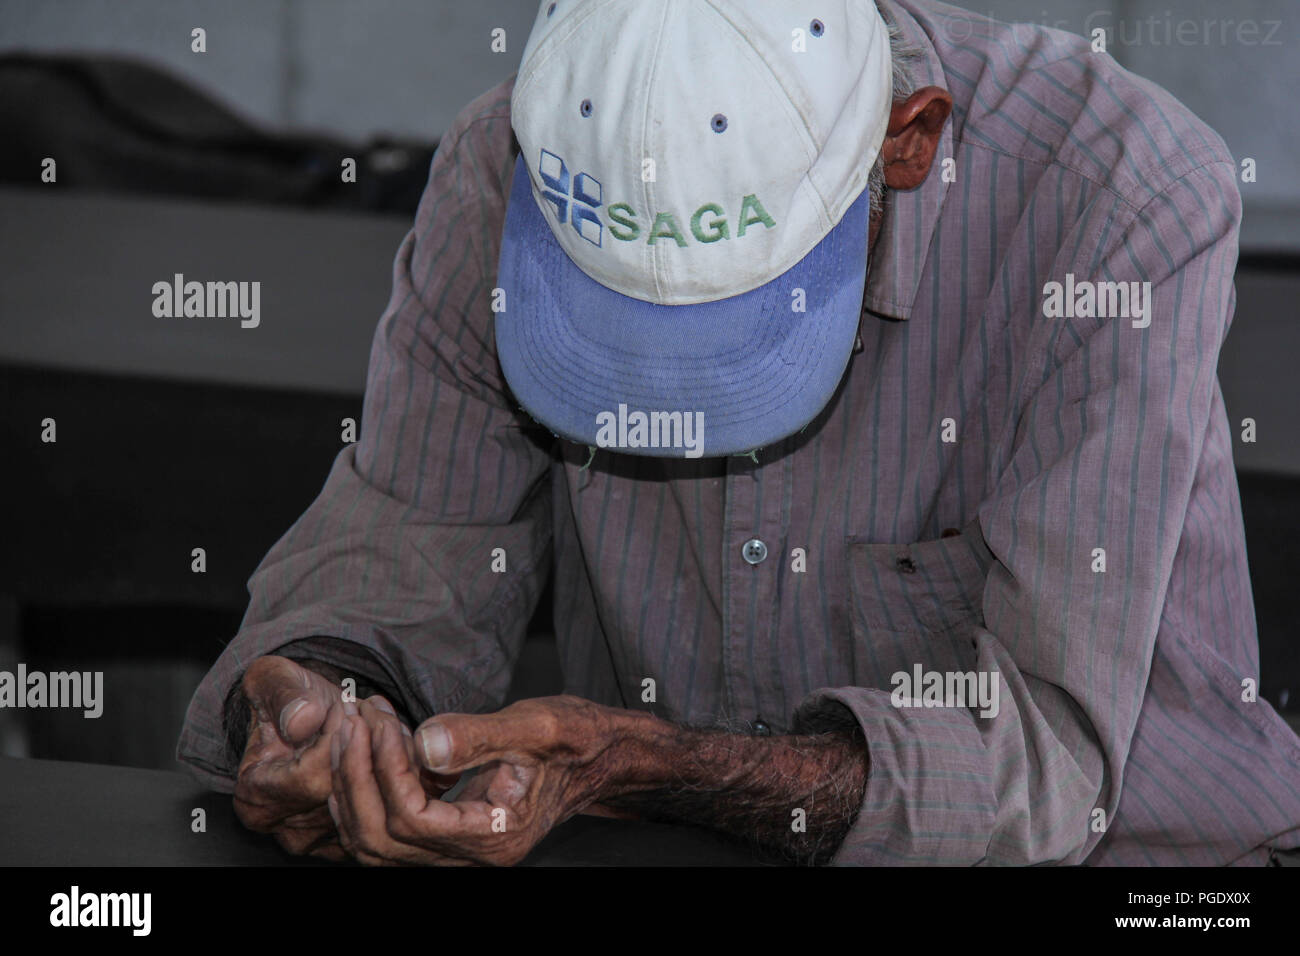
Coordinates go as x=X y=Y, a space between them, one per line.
x=854 y=369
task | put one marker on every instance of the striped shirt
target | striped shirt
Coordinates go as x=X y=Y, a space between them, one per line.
x=999 y=486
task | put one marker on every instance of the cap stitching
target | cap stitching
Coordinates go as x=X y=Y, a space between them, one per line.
x=650 y=252
x=811 y=147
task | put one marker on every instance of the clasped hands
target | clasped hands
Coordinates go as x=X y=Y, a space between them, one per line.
x=338 y=779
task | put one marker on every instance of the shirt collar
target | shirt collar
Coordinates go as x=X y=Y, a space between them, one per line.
x=910 y=217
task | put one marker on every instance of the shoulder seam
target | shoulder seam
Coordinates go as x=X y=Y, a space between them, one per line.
x=1168 y=181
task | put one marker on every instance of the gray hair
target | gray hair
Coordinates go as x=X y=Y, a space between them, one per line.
x=903 y=56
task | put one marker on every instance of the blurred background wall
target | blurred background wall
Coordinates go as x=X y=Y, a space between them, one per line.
x=404 y=67
x=174 y=436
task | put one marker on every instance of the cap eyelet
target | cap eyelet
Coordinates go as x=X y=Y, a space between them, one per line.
x=550 y=10
x=585 y=108
x=719 y=122
x=816 y=28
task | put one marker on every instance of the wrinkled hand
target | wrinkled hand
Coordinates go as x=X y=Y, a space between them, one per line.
x=540 y=762
x=284 y=777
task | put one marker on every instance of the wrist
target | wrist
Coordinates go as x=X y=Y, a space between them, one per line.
x=647 y=753
x=632 y=754
x=744 y=786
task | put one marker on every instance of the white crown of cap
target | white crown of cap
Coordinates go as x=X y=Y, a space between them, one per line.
x=802 y=130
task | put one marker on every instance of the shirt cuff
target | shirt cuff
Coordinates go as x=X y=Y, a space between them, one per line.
x=930 y=795
x=202 y=746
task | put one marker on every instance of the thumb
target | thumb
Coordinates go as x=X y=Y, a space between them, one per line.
x=297 y=701
x=450 y=743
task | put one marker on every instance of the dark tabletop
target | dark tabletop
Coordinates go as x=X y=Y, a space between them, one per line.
x=55 y=813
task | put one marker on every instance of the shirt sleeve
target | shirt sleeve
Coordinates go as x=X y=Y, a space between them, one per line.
x=419 y=564
x=1104 y=456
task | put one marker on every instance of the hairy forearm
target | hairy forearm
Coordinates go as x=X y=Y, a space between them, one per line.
x=750 y=787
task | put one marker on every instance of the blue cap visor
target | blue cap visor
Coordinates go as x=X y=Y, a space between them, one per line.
x=750 y=370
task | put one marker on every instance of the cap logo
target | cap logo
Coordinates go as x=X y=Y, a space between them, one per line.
x=707 y=224
x=577 y=198
x=578 y=206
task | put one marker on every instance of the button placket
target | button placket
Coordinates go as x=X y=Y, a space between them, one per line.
x=748 y=577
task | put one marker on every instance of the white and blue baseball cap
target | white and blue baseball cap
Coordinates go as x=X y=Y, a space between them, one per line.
x=685 y=245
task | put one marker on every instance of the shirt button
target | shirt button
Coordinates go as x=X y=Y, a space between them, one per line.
x=906 y=565
x=761 y=729
x=754 y=551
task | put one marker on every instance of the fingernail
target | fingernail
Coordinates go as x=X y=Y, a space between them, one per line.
x=380 y=704
x=335 y=752
x=436 y=744
x=405 y=729
x=350 y=707
x=286 y=715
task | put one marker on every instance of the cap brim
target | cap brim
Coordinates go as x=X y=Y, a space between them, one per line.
x=756 y=369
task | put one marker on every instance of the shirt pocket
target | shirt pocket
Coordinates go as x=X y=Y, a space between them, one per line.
x=919 y=588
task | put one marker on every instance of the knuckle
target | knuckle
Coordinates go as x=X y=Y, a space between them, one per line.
x=294 y=842
x=262 y=668
x=259 y=821
x=399 y=829
x=547 y=724
x=255 y=670
x=255 y=817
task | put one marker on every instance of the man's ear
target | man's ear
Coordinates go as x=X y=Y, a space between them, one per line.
x=913 y=136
